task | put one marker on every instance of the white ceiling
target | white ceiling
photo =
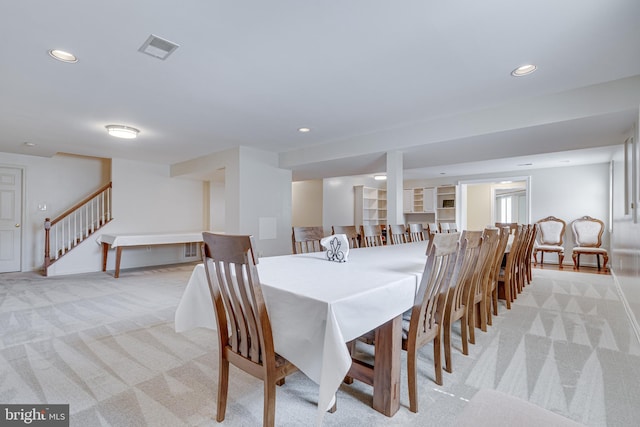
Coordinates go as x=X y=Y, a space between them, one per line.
x=431 y=79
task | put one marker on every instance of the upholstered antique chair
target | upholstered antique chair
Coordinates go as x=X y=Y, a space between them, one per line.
x=587 y=233
x=244 y=331
x=350 y=231
x=550 y=235
x=307 y=239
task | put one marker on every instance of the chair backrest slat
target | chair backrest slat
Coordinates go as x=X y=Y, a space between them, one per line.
x=397 y=234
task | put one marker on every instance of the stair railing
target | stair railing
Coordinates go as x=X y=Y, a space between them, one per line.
x=68 y=230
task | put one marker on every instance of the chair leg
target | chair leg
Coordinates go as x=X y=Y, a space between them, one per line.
x=483 y=316
x=561 y=259
x=465 y=335
x=412 y=380
x=437 y=359
x=598 y=261
x=446 y=324
x=576 y=261
x=223 y=387
x=471 y=322
x=269 y=413
x=605 y=259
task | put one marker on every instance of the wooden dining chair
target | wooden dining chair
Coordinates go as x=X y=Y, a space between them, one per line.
x=422 y=325
x=433 y=227
x=416 y=232
x=587 y=233
x=492 y=286
x=371 y=235
x=244 y=331
x=307 y=239
x=477 y=304
x=397 y=234
x=455 y=306
x=350 y=231
x=512 y=225
x=506 y=278
x=529 y=256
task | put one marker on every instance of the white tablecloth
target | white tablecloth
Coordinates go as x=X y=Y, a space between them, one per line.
x=116 y=240
x=316 y=306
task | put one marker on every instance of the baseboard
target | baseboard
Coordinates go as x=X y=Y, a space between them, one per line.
x=632 y=318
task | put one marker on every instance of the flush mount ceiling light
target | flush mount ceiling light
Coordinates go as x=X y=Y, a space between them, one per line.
x=63 y=56
x=524 y=70
x=304 y=130
x=380 y=177
x=120 y=131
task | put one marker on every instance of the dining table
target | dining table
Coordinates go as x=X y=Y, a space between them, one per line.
x=317 y=306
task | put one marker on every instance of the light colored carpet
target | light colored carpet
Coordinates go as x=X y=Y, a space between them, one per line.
x=108 y=348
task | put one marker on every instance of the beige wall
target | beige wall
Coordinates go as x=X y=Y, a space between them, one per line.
x=306 y=202
x=479 y=202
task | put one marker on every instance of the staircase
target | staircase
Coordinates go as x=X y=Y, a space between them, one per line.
x=76 y=224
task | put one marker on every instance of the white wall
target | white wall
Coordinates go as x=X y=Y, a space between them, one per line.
x=338 y=206
x=265 y=199
x=60 y=181
x=145 y=199
x=564 y=192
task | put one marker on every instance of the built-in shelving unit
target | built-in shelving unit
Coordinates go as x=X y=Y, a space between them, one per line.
x=446 y=203
x=370 y=205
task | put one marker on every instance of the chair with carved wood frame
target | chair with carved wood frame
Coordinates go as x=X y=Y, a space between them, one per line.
x=416 y=232
x=550 y=237
x=244 y=332
x=397 y=234
x=350 y=231
x=307 y=239
x=371 y=235
x=587 y=232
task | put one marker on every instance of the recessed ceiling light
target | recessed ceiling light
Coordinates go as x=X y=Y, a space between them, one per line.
x=525 y=164
x=63 y=56
x=380 y=177
x=443 y=173
x=304 y=130
x=524 y=70
x=29 y=144
x=120 y=131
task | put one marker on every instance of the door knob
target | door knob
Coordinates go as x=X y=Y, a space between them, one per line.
x=18 y=225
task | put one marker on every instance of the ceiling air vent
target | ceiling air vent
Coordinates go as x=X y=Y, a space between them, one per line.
x=158 y=47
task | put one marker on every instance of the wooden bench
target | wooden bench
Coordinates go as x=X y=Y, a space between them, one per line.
x=120 y=241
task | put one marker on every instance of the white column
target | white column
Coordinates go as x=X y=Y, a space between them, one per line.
x=394 y=188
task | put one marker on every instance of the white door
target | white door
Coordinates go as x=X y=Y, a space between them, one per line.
x=10 y=219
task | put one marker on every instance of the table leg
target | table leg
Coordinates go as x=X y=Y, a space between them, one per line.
x=118 y=256
x=105 y=252
x=386 y=375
